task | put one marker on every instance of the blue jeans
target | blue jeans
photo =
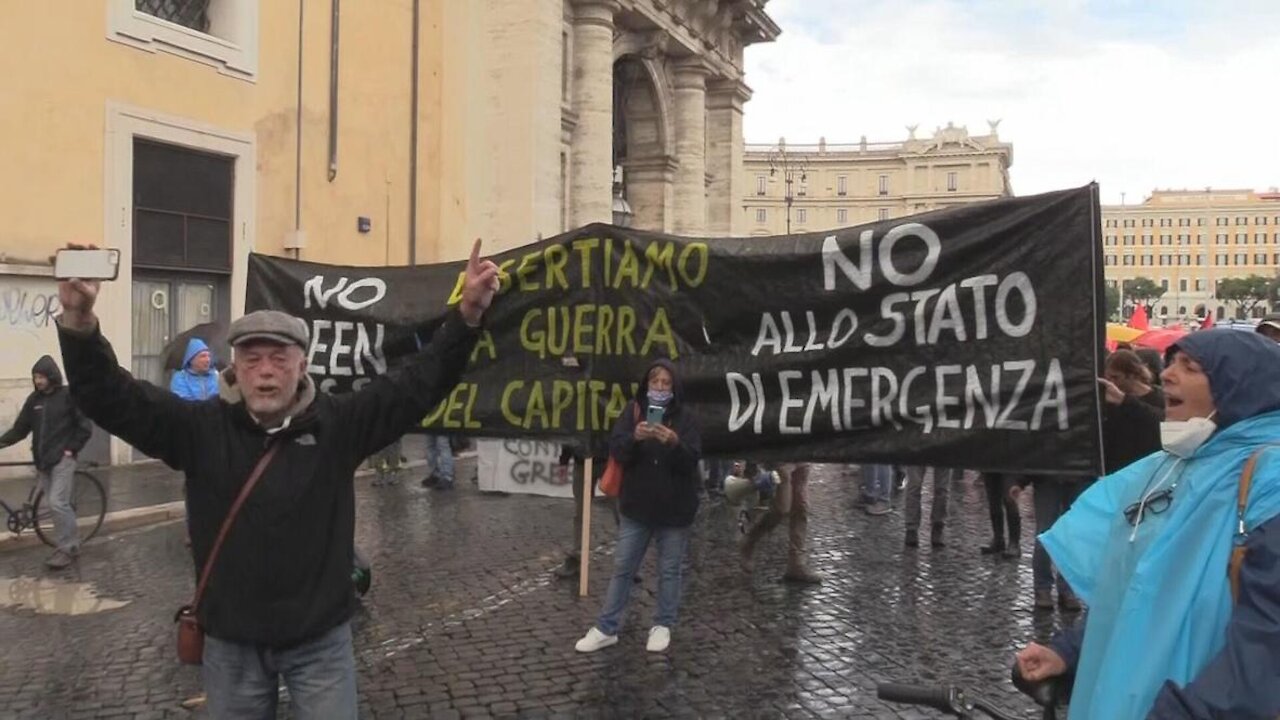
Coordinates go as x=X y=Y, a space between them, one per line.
x=242 y=681
x=440 y=458
x=877 y=482
x=1052 y=497
x=633 y=542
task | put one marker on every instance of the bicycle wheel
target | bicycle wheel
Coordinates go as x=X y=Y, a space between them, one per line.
x=88 y=500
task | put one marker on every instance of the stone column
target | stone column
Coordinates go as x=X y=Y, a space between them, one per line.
x=725 y=99
x=691 y=148
x=591 y=165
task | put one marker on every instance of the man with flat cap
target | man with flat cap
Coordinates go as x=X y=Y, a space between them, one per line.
x=279 y=596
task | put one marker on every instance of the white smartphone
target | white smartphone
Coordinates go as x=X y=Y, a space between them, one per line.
x=97 y=264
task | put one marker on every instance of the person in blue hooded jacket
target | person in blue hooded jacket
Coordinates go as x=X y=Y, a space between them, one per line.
x=1148 y=550
x=198 y=379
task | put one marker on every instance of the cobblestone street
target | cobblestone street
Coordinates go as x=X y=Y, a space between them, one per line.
x=465 y=619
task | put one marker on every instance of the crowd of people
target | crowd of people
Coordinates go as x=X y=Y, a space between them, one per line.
x=1174 y=553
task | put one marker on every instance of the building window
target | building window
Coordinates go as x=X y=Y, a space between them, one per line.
x=1275 y=259
x=1260 y=239
x=1182 y=287
x=1260 y=259
x=1111 y=260
x=1184 y=222
x=182 y=208
x=566 y=67
x=1199 y=284
x=1146 y=239
x=842 y=185
x=842 y=216
x=762 y=215
x=1166 y=222
x=1241 y=220
x=1220 y=259
x=1128 y=239
x=884 y=184
x=884 y=214
x=761 y=182
x=1165 y=284
x=1242 y=258
x=1242 y=238
x=1146 y=222
x=1200 y=239
x=1166 y=239
x=953 y=181
x=1222 y=222
x=1111 y=223
x=193 y=14
x=1200 y=222
x=1184 y=239
x=220 y=33
x=1260 y=220
x=1146 y=260
x=1110 y=240
x=1128 y=259
x=1200 y=259
x=1220 y=238
x=1128 y=223
x=802 y=216
x=804 y=189
x=1162 y=260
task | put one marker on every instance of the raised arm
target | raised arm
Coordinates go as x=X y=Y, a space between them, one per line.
x=145 y=416
x=388 y=407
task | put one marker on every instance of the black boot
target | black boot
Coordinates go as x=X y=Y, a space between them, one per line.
x=995 y=548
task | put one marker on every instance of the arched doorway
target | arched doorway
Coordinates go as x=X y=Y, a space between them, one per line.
x=641 y=142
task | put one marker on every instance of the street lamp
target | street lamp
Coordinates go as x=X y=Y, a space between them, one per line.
x=791 y=167
x=622 y=213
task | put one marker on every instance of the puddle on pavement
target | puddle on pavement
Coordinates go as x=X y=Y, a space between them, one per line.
x=49 y=596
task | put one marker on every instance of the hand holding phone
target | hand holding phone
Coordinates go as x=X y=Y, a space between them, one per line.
x=655 y=414
x=80 y=270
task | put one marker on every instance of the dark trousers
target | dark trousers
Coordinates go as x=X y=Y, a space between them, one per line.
x=1003 y=509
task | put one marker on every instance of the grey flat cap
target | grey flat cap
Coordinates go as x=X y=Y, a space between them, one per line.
x=272 y=326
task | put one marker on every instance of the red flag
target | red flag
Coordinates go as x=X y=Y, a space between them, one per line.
x=1138 y=320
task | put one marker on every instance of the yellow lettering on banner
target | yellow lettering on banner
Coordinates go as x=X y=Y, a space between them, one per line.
x=528 y=266
x=582 y=325
x=505 y=281
x=468 y=414
x=659 y=255
x=507 y=413
x=584 y=246
x=696 y=253
x=660 y=332
x=626 y=326
x=556 y=257
x=561 y=400
x=434 y=416
x=536 y=407
x=604 y=323
x=628 y=267
x=485 y=343
x=455 y=297
x=533 y=339
x=456 y=413
x=557 y=337
x=617 y=403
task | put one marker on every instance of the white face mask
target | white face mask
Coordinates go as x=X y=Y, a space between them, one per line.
x=1183 y=437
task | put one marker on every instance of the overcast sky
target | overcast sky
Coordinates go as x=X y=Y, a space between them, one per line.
x=1136 y=94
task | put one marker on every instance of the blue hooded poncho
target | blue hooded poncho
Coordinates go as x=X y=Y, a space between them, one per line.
x=191 y=385
x=1159 y=599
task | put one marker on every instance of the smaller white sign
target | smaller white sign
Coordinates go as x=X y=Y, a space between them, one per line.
x=524 y=467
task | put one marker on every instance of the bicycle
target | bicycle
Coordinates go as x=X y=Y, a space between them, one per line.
x=1049 y=694
x=88 y=501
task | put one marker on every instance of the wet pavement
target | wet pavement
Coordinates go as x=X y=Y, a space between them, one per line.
x=464 y=618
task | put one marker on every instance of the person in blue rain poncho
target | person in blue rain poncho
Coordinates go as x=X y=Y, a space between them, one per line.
x=1148 y=550
x=198 y=378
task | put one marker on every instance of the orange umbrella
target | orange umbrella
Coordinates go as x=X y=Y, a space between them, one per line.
x=1160 y=339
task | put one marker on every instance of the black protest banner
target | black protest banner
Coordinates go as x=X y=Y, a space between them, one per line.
x=966 y=337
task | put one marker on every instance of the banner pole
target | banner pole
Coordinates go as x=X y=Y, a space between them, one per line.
x=588 y=490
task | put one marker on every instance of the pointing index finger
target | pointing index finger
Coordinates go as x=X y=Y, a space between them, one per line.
x=473 y=263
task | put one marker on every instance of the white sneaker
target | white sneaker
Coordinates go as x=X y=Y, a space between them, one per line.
x=595 y=640
x=659 y=639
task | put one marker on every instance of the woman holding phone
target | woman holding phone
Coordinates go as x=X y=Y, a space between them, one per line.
x=656 y=441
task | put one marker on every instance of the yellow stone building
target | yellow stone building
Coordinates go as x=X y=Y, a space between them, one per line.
x=189 y=133
x=810 y=188
x=1188 y=240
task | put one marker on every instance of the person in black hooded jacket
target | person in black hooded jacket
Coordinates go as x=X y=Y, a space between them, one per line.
x=659 y=500
x=58 y=432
